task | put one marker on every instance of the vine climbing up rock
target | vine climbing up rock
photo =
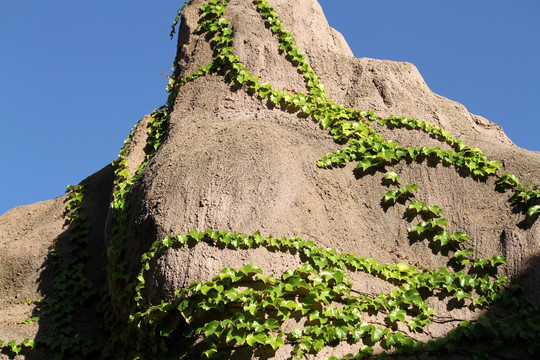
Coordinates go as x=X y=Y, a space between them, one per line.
x=292 y=201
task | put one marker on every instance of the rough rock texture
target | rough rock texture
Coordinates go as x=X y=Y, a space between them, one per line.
x=26 y=235
x=232 y=162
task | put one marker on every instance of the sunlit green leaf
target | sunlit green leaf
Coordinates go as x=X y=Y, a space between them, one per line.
x=254 y=338
x=360 y=331
x=417 y=206
x=275 y=342
x=480 y=263
x=393 y=177
x=377 y=334
x=318 y=345
x=497 y=260
x=460 y=236
x=533 y=210
x=443 y=237
x=396 y=314
x=435 y=210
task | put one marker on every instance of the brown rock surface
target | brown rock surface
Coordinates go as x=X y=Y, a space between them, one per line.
x=27 y=234
x=232 y=162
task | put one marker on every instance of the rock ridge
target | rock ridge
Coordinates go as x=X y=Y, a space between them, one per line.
x=231 y=160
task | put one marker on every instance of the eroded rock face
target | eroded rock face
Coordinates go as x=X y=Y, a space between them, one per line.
x=231 y=161
x=27 y=235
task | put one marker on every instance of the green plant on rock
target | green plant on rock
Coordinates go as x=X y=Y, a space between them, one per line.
x=243 y=307
x=393 y=196
x=249 y=308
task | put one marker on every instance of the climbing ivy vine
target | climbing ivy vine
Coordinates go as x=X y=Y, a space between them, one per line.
x=245 y=308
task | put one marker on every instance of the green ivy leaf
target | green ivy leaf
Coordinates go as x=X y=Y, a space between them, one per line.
x=331 y=312
x=361 y=330
x=236 y=335
x=443 y=237
x=435 y=210
x=461 y=294
x=264 y=90
x=211 y=328
x=295 y=335
x=420 y=228
x=295 y=282
x=391 y=196
x=396 y=314
x=413 y=152
x=417 y=206
x=460 y=236
x=508 y=180
x=252 y=308
x=412 y=296
x=276 y=97
x=341 y=333
x=463 y=256
x=480 y=302
x=400 y=152
x=198 y=236
x=497 y=260
x=209 y=352
x=250 y=270
x=327 y=121
x=366 y=350
x=366 y=163
x=392 y=177
x=318 y=345
x=480 y=263
x=413 y=324
x=403 y=267
x=377 y=334
x=275 y=342
x=533 y=210
x=441 y=222
x=252 y=339
x=393 y=338
x=230 y=273
x=411 y=188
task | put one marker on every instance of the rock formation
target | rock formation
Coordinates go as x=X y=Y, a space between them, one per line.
x=262 y=92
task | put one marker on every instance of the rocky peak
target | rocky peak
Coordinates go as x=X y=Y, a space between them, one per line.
x=335 y=227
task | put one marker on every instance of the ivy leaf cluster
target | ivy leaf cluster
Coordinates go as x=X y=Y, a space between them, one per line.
x=11 y=347
x=393 y=196
x=244 y=307
x=71 y=289
x=263 y=303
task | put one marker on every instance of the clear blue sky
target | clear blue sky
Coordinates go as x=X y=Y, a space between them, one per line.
x=76 y=75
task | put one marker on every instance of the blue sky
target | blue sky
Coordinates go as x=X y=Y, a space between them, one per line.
x=75 y=76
